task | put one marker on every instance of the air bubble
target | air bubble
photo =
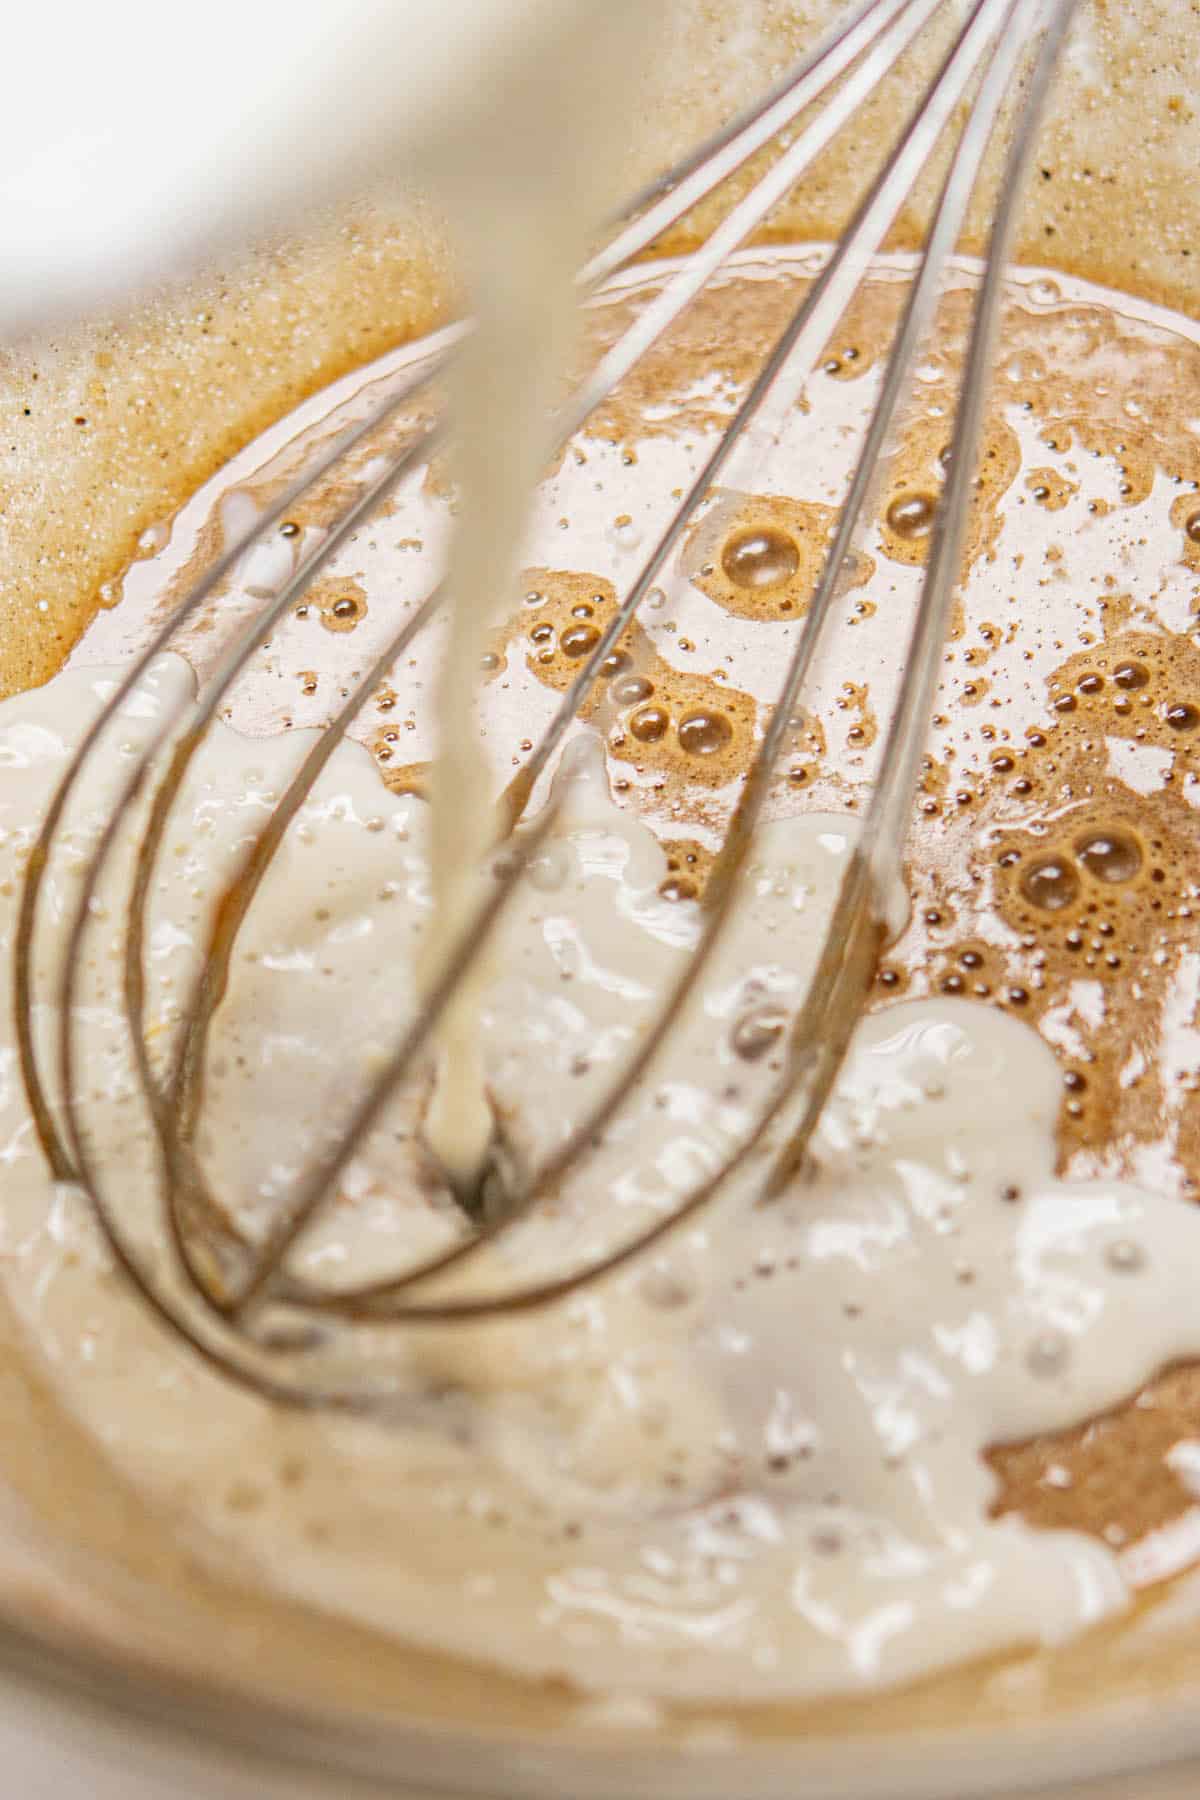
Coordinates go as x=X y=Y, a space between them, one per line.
x=547 y=871
x=760 y=557
x=631 y=690
x=1110 y=855
x=650 y=724
x=911 y=515
x=579 y=640
x=703 y=733
x=1051 y=883
x=624 y=533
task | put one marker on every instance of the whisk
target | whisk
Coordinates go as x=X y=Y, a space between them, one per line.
x=232 y=1296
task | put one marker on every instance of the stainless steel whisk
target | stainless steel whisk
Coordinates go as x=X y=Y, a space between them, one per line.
x=233 y=1297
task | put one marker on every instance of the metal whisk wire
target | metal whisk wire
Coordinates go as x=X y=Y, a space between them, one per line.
x=239 y=1282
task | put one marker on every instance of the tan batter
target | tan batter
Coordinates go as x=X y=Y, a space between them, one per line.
x=950 y=941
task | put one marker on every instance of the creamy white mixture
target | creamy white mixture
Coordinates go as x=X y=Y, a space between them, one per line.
x=748 y=1466
x=528 y=211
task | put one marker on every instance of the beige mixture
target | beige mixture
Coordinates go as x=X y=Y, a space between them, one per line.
x=1024 y=815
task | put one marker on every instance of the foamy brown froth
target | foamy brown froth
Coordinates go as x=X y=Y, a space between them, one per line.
x=117 y=422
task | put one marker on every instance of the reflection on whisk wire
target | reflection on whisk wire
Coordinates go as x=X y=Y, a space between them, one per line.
x=233 y=1297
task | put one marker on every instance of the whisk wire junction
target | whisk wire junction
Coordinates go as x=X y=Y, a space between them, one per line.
x=242 y=1286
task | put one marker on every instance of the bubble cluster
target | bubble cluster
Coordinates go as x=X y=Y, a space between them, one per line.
x=759 y=556
x=1090 y=882
x=663 y=720
x=340 y=603
x=1050 y=488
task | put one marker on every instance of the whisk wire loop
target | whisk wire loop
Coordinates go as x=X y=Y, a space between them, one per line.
x=226 y=1293
x=822 y=1030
